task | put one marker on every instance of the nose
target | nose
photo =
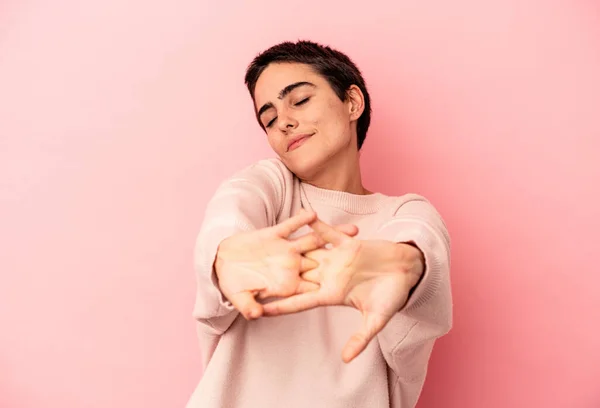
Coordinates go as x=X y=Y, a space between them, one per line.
x=287 y=121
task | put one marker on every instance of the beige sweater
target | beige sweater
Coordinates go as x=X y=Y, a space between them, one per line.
x=295 y=360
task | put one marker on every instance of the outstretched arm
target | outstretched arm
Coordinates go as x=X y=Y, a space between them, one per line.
x=243 y=254
x=397 y=280
x=427 y=314
x=248 y=201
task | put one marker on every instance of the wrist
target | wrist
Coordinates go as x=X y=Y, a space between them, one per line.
x=219 y=259
x=413 y=261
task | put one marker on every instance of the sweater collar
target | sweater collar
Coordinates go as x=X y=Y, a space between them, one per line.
x=348 y=202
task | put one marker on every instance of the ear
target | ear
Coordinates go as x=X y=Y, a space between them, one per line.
x=356 y=102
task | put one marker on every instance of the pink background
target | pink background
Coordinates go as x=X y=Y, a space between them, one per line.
x=118 y=119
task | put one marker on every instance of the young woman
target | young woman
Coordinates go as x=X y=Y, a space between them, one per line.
x=297 y=262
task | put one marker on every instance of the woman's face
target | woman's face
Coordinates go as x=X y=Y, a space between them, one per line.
x=306 y=123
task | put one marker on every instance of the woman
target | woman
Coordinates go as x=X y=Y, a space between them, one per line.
x=281 y=291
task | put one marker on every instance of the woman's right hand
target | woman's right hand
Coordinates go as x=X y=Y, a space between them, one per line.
x=265 y=263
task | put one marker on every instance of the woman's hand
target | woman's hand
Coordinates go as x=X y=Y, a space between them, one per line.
x=372 y=276
x=265 y=263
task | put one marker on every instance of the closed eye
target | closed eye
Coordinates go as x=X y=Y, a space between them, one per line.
x=271 y=122
x=302 y=102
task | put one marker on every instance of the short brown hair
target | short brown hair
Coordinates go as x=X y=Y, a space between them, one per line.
x=339 y=71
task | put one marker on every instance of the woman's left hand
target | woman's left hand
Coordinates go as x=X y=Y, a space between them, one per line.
x=373 y=276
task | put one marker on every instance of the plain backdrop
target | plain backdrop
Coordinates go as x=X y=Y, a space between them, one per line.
x=119 y=118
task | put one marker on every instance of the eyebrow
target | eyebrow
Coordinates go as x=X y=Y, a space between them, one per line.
x=282 y=94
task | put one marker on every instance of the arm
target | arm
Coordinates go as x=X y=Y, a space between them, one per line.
x=427 y=315
x=249 y=200
x=378 y=277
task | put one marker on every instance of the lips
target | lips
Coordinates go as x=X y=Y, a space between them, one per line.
x=297 y=141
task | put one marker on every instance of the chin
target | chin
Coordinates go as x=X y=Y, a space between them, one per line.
x=305 y=166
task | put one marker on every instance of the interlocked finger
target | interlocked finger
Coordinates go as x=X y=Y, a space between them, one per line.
x=314 y=276
x=308 y=242
x=291 y=225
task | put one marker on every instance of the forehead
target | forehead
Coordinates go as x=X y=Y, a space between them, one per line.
x=279 y=75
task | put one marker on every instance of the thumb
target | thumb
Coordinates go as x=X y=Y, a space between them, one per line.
x=348 y=229
x=372 y=324
x=247 y=305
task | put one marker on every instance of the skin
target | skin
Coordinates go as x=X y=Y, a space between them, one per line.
x=373 y=276
x=265 y=263
x=329 y=158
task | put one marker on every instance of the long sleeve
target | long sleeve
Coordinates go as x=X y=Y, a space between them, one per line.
x=249 y=200
x=409 y=335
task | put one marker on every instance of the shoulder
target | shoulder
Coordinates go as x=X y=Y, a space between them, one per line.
x=395 y=202
x=268 y=178
x=413 y=206
x=270 y=168
x=411 y=198
x=264 y=172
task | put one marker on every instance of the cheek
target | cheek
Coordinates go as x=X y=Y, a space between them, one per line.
x=336 y=119
x=271 y=140
x=276 y=141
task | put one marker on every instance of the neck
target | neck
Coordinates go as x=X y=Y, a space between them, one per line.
x=340 y=173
